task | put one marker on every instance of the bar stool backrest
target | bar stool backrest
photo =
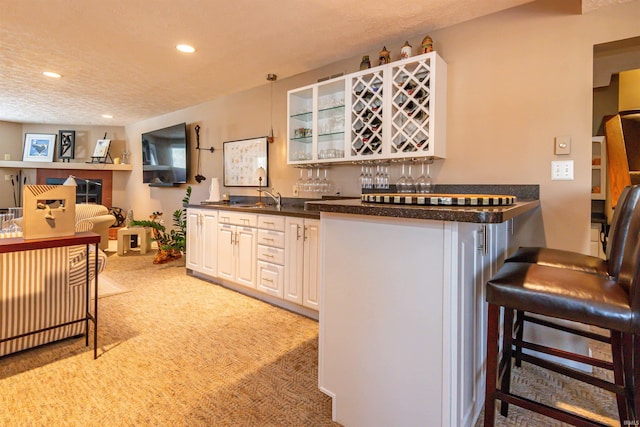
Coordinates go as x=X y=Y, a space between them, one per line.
x=624 y=228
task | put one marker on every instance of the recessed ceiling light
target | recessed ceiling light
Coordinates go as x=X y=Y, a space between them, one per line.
x=107 y=116
x=185 y=48
x=52 y=74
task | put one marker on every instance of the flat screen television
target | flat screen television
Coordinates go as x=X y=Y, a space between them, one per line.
x=165 y=156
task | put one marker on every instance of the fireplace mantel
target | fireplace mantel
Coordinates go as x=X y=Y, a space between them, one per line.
x=10 y=164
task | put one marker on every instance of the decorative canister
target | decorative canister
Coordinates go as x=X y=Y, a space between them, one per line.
x=405 y=51
x=365 y=63
x=384 y=56
x=427 y=45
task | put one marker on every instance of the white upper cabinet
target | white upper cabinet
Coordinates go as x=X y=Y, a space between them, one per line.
x=316 y=123
x=397 y=110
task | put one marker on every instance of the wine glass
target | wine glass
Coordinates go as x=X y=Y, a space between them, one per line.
x=325 y=184
x=424 y=184
x=300 y=182
x=404 y=184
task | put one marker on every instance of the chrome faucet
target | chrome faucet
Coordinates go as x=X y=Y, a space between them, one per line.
x=274 y=195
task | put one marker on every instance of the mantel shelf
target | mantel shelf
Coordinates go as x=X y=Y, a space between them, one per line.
x=62 y=165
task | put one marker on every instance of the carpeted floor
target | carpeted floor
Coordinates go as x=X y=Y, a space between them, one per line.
x=174 y=351
x=178 y=351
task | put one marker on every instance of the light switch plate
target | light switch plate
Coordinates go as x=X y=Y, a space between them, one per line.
x=562 y=145
x=562 y=170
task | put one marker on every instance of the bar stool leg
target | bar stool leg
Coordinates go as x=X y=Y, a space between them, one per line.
x=519 y=329
x=627 y=361
x=618 y=373
x=493 y=325
x=505 y=363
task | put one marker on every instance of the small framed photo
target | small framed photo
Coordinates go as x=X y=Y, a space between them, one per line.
x=102 y=148
x=38 y=147
x=66 y=144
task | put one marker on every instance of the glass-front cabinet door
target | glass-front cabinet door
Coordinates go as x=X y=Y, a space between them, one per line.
x=300 y=125
x=331 y=120
x=317 y=120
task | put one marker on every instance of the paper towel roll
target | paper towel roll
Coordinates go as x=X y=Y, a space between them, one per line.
x=214 y=190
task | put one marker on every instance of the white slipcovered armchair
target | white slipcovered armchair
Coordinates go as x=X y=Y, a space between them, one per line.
x=96 y=218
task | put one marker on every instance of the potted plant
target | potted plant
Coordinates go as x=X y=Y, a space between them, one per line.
x=172 y=243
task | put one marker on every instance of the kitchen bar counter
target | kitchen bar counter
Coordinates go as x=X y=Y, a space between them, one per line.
x=402 y=305
x=476 y=214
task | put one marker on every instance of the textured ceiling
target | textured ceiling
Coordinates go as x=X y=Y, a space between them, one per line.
x=118 y=56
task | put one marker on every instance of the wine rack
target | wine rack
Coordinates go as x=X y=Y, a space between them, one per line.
x=411 y=107
x=367 y=113
x=392 y=111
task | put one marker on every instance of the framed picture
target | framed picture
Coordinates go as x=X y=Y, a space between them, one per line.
x=242 y=159
x=38 y=147
x=66 y=144
x=102 y=148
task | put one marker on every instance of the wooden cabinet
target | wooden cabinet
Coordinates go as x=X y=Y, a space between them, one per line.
x=392 y=111
x=598 y=168
x=302 y=262
x=237 y=248
x=202 y=238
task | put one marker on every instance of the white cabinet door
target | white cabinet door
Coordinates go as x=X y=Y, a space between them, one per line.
x=193 y=240
x=310 y=285
x=226 y=251
x=294 y=259
x=209 y=239
x=202 y=237
x=481 y=250
x=246 y=256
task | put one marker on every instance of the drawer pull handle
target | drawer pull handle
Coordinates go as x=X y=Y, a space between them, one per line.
x=267 y=280
x=268 y=255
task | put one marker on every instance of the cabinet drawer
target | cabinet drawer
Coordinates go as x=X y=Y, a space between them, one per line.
x=271 y=222
x=269 y=254
x=270 y=279
x=271 y=238
x=238 y=218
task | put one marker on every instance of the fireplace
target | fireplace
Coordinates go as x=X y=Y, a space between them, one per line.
x=86 y=192
x=100 y=194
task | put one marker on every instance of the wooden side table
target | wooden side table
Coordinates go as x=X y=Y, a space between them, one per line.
x=124 y=239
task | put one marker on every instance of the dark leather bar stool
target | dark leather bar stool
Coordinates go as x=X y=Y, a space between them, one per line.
x=621 y=229
x=612 y=303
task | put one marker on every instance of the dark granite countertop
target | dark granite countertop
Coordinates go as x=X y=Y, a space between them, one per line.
x=288 y=208
x=528 y=199
x=496 y=214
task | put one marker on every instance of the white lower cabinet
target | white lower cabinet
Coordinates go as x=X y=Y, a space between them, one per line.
x=237 y=254
x=271 y=242
x=480 y=250
x=202 y=238
x=301 y=262
x=274 y=255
